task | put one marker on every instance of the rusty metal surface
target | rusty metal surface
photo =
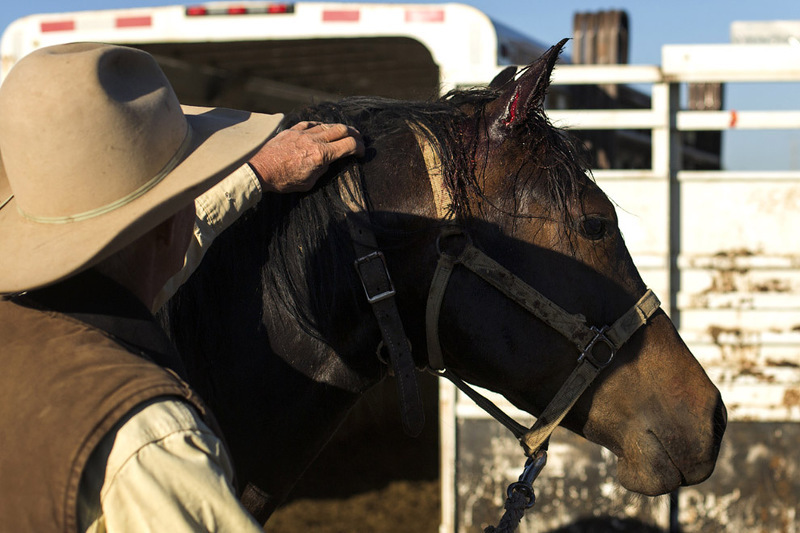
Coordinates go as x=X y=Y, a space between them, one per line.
x=576 y=491
x=756 y=485
x=739 y=299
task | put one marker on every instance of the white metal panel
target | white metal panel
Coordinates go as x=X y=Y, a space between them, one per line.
x=462 y=40
x=730 y=62
x=743 y=120
x=593 y=119
x=739 y=218
x=581 y=74
x=765 y=31
x=733 y=175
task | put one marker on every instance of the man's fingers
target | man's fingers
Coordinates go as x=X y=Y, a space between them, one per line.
x=306 y=125
x=334 y=132
x=339 y=140
x=351 y=145
x=342 y=148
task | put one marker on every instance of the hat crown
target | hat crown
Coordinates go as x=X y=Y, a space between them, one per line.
x=85 y=127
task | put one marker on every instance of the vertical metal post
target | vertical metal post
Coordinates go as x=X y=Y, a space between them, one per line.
x=667 y=162
x=660 y=157
x=674 y=511
x=666 y=159
x=448 y=455
x=675 y=215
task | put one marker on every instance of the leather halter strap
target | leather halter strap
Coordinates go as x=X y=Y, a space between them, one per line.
x=371 y=267
x=572 y=326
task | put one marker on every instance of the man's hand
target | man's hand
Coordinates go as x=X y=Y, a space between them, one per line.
x=294 y=159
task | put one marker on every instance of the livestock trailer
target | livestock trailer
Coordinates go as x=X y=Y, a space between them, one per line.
x=271 y=57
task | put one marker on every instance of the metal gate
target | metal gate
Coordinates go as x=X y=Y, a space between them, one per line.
x=722 y=250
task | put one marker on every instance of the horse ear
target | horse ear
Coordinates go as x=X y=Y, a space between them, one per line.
x=519 y=99
x=503 y=77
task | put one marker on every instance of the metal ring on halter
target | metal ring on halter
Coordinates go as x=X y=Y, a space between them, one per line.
x=382 y=358
x=533 y=467
x=599 y=337
x=452 y=231
x=525 y=490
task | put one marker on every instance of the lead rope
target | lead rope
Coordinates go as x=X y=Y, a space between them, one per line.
x=520 y=496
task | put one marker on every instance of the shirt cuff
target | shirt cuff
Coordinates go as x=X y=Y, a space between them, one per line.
x=223 y=204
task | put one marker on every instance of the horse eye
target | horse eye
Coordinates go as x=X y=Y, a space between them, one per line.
x=593 y=228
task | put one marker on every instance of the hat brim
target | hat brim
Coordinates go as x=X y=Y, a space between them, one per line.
x=35 y=254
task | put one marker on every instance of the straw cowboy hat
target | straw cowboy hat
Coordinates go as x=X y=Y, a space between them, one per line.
x=95 y=151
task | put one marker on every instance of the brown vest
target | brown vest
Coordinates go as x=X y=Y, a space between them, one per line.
x=63 y=385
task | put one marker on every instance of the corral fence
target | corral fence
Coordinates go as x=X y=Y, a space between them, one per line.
x=721 y=248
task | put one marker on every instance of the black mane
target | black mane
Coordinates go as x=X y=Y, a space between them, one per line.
x=560 y=163
x=309 y=255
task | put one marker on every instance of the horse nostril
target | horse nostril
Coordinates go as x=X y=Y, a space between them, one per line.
x=720 y=421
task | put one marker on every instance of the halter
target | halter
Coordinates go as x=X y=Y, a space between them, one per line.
x=587 y=339
x=572 y=326
x=373 y=271
x=379 y=289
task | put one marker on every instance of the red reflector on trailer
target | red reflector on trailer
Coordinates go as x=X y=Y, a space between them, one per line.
x=424 y=15
x=262 y=9
x=340 y=16
x=196 y=11
x=133 y=22
x=57 y=25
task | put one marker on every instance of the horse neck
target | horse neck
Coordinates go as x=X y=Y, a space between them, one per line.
x=400 y=191
x=313 y=302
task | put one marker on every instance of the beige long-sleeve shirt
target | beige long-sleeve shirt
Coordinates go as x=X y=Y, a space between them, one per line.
x=215 y=211
x=162 y=469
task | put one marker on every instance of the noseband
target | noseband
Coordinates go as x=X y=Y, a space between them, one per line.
x=587 y=339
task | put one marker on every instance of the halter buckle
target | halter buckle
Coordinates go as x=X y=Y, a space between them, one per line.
x=375 y=296
x=588 y=352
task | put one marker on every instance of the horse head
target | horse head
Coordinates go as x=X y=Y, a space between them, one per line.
x=526 y=202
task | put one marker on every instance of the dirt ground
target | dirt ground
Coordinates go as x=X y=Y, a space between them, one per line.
x=370 y=478
x=399 y=506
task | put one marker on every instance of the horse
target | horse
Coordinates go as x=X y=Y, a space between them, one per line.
x=280 y=339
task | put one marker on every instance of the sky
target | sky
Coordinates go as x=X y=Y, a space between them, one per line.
x=652 y=23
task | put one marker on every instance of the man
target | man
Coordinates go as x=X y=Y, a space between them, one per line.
x=100 y=167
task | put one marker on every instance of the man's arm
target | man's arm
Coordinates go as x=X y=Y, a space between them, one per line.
x=291 y=161
x=161 y=469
